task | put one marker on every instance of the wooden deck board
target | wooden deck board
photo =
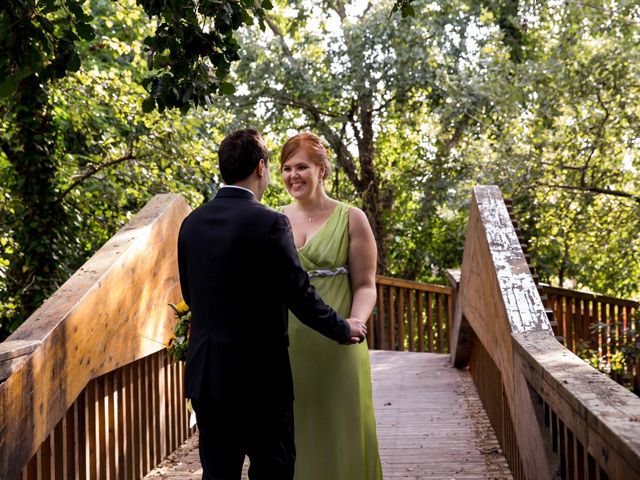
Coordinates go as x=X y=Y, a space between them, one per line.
x=431 y=424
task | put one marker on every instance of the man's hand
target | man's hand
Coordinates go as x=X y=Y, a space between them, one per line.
x=358 y=330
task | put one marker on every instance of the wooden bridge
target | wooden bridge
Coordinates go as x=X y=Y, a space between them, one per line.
x=88 y=392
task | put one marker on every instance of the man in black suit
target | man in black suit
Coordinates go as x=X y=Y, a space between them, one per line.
x=239 y=273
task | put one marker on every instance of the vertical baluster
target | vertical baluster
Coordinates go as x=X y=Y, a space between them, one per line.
x=611 y=318
x=448 y=322
x=440 y=320
x=102 y=444
x=137 y=419
x=410 y=319
x=634 y=330
x=112 y=444
x=618 y=327
x=162 y=406
x=145 y=412
x=171 y=404
x=183 y=403
x=57 y=449
x=430 y=322
x=601 y=311
x=554 y=432
x=175 y=439
x=31 y=470
x=591 y=317
x=81 y=436
x=586 y=322
x=563 y=449
x=571 y=318
x=381 y=336
x=371 y=330
x=562 y=305
x=130 y=422
x=592 y=471
x=577 y=324
x=400 y=319
x=167 y=405
x=122 y=425
x=420 y=320
x=581 y=460
x=44 y=460
x=157 y=409
x=150 y=412
x=553 y=305
x=602 y=335
x=571 y=466
x=180 y=404
x=92 y=461
x=392 y=319
x=68 y=459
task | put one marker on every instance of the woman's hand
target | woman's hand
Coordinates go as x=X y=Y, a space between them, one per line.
x=358 y=330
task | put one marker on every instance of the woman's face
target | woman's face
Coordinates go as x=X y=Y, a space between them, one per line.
x=302 y=177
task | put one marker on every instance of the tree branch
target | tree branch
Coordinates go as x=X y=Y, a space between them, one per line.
x=596 y=141
x=343 y=155
x=595 y=189
x=92 y=169
x=294 y=102
x=278 y=33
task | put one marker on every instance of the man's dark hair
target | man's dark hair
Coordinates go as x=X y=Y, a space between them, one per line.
x=239 y=154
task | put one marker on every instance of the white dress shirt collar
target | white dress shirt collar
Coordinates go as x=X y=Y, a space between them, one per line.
x=241 y=188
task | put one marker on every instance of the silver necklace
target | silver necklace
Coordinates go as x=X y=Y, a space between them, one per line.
x=310 y=218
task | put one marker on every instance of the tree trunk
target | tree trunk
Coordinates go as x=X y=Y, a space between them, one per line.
x=38 y=221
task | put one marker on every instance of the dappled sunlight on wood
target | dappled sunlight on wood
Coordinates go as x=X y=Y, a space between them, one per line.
x=111 y=312
x=553 y=413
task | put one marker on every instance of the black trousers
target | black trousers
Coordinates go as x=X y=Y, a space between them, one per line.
x=230 y=430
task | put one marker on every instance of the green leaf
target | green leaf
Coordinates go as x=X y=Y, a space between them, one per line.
x=8 y=86
x=408 y=11
x=46 y=24
x=148 y=104
x=267 y=5
x=227 y=88
x=73 y=65
x=85 y=31
x=76 y=9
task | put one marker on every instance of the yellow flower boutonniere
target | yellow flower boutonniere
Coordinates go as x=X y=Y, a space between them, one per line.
x=179 y=341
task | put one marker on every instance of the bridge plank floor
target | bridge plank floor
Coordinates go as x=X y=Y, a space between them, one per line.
x=431 y=424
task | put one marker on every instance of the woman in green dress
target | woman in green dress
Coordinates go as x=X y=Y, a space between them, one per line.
x=335 y=428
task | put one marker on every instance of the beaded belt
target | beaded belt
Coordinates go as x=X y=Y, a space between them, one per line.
x=331 y=272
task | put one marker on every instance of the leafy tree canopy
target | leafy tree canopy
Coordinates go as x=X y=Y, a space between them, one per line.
x=189 y=52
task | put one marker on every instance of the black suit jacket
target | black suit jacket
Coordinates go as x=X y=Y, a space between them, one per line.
x=239 y=273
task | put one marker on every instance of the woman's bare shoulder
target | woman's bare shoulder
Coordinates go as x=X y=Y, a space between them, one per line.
x=357 y=215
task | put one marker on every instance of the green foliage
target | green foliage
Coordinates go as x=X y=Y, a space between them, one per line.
x=539 y=98
x=104 y=159
x=189 y=53
x=621 y=362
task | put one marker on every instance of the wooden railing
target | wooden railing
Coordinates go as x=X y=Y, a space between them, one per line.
x=578 y=313
x=410 y=316
x=87 y=390
x=554 y=415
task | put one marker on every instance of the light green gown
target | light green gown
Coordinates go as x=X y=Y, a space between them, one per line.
x=335 y=427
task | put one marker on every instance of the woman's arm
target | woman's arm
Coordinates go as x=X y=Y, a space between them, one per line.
x=362 y=264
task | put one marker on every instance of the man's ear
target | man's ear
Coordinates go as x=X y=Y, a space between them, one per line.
x=261 y=166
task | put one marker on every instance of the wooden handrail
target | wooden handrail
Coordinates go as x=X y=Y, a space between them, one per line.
x=410 y=316
x=554 y=414
x=413 y=285
x=111 y=313
x=597 y=297
x=576 y=314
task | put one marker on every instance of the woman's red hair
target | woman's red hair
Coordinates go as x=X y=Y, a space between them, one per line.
x=314 y=147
